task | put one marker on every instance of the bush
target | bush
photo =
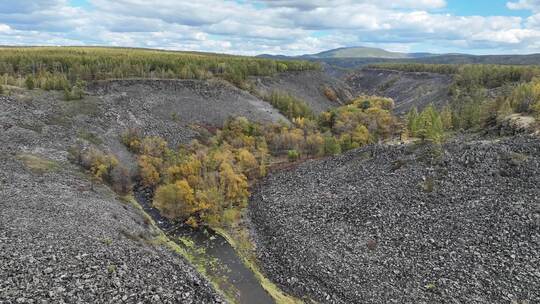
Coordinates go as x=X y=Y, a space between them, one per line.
x=293 y=155
x=29 y=82
x=103 y=166
x=331 y=146
x=132 y=140
x=76 y=92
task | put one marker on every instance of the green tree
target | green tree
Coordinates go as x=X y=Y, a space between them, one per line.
x=331 y=145
x=446 y=118
x=412 y=119
x=30 y=82
x=429 y=125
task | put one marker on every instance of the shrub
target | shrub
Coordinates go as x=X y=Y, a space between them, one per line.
x=132 y=140
x=76 y=92
x=153 y=146
x=331 y=146
x=293 y=155
x=360 y=135
x=29 y=82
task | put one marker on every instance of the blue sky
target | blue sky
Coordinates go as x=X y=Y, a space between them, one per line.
x=277 y=26
x=483 y=8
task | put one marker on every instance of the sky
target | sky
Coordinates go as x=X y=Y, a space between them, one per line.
x=290 y=27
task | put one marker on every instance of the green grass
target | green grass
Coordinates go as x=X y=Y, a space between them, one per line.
x=38 y=164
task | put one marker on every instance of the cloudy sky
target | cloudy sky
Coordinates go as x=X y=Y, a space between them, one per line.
x=277 y=26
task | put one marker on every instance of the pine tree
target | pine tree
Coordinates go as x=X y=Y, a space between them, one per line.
x=446 y=118
x=412 y=118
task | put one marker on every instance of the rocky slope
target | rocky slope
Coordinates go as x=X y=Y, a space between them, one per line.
x=406 y=224
x=307 y=85
x=185 y=101
x=407 y=89
x=63 y=240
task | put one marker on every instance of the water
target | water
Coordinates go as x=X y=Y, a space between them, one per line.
x=211 y=251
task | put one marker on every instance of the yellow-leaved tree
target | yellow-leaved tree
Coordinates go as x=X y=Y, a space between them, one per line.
x=233 y=185
x=176 y=200
x=149 y=168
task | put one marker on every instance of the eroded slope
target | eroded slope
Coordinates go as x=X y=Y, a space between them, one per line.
x=407 y=89
x=309 y=86
x=64 y=240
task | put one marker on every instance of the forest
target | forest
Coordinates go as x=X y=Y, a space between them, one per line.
x=482 y=95
x=57 y=68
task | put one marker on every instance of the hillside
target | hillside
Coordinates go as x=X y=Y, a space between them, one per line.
x=144 y=176
x=406 y=224
x=407 y=89
x=309 y=86
x=64 y=238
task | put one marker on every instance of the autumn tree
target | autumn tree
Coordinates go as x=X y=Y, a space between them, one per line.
x=233 y=185
x=176 y=200
x=149 y=168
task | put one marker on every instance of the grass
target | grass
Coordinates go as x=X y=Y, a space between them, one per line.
x=38 y=164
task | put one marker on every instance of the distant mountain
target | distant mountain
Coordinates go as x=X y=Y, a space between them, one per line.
x=365 y=52
x=338 y=62
x=355 y=52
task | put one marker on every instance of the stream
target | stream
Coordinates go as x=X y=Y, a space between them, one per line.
x=212 y=252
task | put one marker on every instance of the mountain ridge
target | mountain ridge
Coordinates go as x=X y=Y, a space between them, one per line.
x=355 y=52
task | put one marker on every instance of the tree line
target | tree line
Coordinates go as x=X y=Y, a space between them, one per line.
x=56 y=68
